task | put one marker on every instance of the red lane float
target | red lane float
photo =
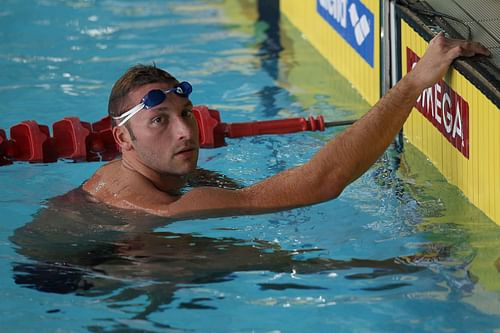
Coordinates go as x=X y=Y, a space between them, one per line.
x=72 y=139
x=3 y=147
x=82 y=141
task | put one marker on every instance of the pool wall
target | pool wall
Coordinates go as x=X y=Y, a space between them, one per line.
x=457 y=127
x=454 y=123
x=333 y=35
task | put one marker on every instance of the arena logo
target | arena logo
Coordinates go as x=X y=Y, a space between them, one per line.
x=445 y=109
x=353 y=21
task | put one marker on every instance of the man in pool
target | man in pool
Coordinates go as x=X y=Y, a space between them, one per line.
x=158 y=136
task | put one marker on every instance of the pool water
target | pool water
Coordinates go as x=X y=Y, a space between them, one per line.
x=400 y=251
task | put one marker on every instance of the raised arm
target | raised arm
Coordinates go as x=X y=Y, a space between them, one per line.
x=342 y=159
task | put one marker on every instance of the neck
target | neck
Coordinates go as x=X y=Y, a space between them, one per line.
x=165 y=182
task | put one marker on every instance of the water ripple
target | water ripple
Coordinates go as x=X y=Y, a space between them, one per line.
x=32 y=59
x=99 y=32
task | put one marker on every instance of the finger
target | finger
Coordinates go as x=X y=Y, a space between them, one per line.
x=460 y=47
x=479 y=48
x=439 y=36
x=469 y=49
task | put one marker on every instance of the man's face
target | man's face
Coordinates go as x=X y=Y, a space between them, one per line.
x=166 y=136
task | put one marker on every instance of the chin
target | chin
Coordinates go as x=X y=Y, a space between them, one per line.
x=181 y=167
x=186 y=169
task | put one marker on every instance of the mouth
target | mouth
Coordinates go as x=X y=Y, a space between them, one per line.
x=186 y=152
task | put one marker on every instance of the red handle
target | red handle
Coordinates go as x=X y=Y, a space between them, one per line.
x=280 y=126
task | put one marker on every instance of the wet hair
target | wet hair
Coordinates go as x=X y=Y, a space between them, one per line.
x=135 y=77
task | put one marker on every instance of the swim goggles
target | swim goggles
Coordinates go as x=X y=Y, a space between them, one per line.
x=153 y=98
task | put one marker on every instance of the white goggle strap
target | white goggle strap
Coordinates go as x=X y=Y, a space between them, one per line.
x=129 y=114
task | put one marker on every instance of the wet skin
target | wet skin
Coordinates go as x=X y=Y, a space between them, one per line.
x=159 y=150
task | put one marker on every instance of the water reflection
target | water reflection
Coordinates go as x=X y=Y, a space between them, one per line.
x=449 y=218
x=75 y=246
x=269 y=52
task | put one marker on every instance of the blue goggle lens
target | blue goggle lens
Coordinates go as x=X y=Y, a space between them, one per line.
x=157 y=96
x=183 y=89
x=153 y=98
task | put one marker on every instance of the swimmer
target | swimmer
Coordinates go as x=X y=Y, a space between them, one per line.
x=154 y=125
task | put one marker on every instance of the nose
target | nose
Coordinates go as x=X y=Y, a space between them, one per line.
x=185 y=128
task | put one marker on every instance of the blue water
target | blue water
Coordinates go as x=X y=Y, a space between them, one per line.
x=399 y=251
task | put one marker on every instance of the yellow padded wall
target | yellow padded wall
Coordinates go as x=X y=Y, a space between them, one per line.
x=478 y=175
x=331 y=45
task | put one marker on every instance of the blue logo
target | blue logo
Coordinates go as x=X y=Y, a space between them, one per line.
x=353 y=21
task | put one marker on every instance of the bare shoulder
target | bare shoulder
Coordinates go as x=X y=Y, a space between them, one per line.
x=99 y=183
x=114 y=185
x=121 y=187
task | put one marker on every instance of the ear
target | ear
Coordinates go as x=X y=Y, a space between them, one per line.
x=122 y=137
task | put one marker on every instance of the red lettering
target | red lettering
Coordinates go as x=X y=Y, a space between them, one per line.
x=437 y=99
x=447 y=113
x=465 y=127
x=445 y=109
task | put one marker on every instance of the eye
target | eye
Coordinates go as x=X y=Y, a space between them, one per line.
x=158 y=120
x=187 y=113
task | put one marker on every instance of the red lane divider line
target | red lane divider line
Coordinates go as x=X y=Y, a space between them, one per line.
x=82 y=141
